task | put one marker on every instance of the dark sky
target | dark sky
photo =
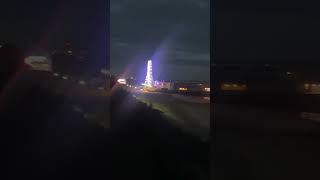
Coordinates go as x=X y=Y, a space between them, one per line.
x=175 y=34
x=266 y=31
x=49 y=24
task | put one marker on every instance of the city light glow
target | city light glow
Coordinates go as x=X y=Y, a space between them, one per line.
x=183 y=89
x=207 y=89
x=306 y=86
x=149 y=78
x=122 y=81
x=234 y=87
x=312 y=88
x=226 y=85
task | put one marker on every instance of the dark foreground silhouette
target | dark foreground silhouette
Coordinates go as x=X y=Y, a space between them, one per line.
x=149 y=146
x=44 y=137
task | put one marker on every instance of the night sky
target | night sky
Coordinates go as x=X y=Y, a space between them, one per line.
x=175 y=34
x=49 y=24
x=266 y=31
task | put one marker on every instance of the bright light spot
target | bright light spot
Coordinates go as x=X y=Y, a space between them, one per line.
x=149 y=78
x=70 y=52
x=135 y=87
x=55 y=74
x=183 y=89
x=207 y=89
x=82 y=82
x=122 y=81
x=234 y=85
x=64 y=77
x=288 y=73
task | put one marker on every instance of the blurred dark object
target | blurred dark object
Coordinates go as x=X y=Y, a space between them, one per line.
x=11 y=62
x=42 y=134
x=113 y=81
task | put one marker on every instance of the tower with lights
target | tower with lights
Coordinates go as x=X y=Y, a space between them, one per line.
x=149 y=78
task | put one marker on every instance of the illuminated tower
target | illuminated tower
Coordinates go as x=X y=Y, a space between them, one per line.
x=149 y=78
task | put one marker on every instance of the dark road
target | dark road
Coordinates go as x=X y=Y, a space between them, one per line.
x=191 y=114
x=260 y=143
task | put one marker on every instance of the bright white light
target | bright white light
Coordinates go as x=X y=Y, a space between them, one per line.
x=149 y=77
x=55 y=74
x=207 y=89
x=122 y=81
x=70 y=52
x=64 y=77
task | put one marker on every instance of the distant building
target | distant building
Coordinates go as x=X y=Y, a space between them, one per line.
x=190 y=86
x=164 y=85
x=266 y=78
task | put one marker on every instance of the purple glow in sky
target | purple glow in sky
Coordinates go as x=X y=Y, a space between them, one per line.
x=177 y=41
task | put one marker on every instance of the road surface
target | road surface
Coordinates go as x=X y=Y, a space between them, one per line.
x=263 y=143
x=190 y=113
